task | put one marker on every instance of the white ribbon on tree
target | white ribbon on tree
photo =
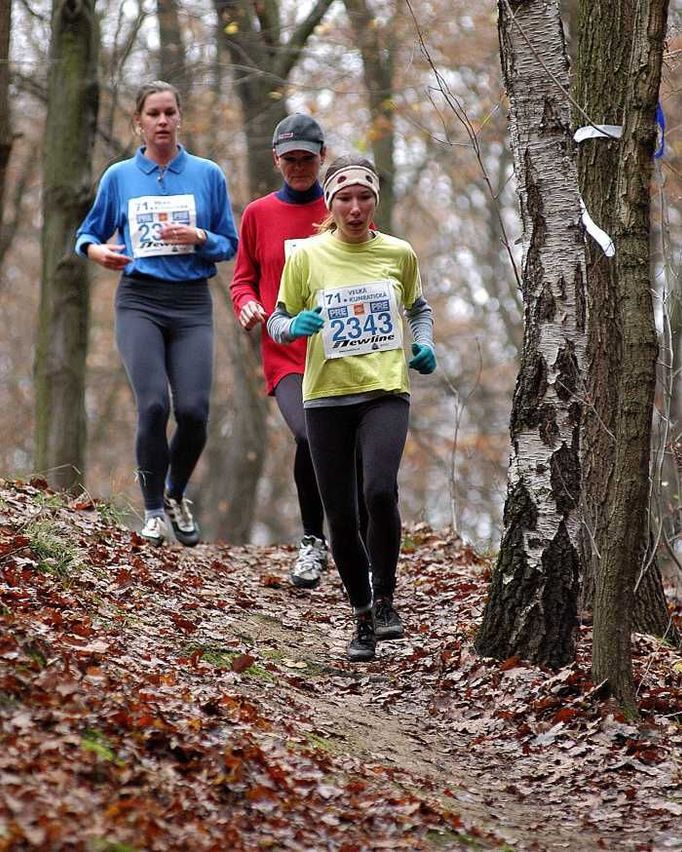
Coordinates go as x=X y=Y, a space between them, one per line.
x=596 y=232
x=597 y=131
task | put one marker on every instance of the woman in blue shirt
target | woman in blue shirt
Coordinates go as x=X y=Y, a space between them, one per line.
x=173 y=222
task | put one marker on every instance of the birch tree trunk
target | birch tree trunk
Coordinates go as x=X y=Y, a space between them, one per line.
x=64 y=298
x=532 y=607
x=625 y=536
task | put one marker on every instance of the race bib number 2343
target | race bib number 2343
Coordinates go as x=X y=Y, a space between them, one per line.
x=359 y=319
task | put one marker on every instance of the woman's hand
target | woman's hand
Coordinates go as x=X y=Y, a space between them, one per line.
x=424 y=360
x=182 y=235
x=108 y=255
x=306 y=323
x=251 y=314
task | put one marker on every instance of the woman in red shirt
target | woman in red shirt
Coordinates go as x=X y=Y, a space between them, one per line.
x=270 y=229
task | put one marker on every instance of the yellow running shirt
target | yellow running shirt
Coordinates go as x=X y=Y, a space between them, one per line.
x=362 y=289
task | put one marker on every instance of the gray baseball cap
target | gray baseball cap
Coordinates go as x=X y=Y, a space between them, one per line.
x=298 y=132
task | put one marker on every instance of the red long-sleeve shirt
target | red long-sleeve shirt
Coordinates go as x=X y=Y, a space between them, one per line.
x=266 y=224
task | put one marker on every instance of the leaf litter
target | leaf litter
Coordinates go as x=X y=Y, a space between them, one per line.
x=193 y=700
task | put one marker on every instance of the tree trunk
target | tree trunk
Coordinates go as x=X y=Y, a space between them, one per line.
x=64 y=299
x=378 y=63
x=172 y=65
x=8 y=222
x=600 y=92
x=625 y=533
x=675 y=318
x=262 y=62
x=172 y=59
x=601 y=97
x=253 y=54
x=237 y=444
x=670 y=516
x=6 y=137
x=569 y=15
x=494 y=267
x=13 y=206
x=531 y=611
x=651 y=614
x=244 y=457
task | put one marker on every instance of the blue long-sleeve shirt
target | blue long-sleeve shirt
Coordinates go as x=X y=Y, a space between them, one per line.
x=136 y=196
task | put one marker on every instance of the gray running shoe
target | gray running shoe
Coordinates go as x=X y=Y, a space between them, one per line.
x=184 y=526
x=155 y=531
x=311 y=562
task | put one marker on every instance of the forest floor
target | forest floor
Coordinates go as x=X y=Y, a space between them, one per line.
x=180 y=699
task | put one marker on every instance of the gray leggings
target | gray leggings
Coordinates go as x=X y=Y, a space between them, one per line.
x=290 y=401
x=164 y=333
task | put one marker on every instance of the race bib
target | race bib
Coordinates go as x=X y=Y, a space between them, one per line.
x=360 y=319
x=290 y=246
x=148 y=214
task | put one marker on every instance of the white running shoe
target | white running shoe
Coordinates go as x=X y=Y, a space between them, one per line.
x=155 y=531
x=311 y=562
x=181 y=518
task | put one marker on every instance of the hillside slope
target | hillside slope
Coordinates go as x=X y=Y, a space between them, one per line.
x=193 y=700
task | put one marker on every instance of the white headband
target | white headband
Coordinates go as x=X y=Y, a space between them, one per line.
x=350 y=176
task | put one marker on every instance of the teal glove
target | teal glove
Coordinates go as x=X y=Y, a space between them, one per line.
x=424 y=360
x=306 y=323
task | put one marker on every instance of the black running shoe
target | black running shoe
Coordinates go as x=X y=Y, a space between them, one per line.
x=184 y=526
x=387 y=623
x=362 y=646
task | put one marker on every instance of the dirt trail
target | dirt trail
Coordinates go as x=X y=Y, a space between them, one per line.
x=404 y=739
x=407 y=716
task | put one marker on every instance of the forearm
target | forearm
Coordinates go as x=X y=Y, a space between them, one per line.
x=243 y=288
x=85 y=240
x=217 y=247
x=420 y=320
x=279 y=326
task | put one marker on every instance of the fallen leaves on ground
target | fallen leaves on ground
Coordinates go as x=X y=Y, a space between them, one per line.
x=178 y=699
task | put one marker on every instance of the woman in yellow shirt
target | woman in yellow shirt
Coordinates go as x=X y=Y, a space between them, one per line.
x=345 y=290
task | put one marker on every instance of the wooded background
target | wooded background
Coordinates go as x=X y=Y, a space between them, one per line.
x=419 y=88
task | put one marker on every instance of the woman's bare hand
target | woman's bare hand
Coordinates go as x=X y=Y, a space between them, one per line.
x=180 y=235
x=108 y=255
x=251 y=314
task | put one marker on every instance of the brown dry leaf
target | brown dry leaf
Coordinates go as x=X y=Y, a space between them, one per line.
x=242 y=662
x=293 y=664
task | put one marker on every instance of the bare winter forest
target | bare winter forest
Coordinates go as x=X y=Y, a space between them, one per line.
x=453 y=199
x=455 y=463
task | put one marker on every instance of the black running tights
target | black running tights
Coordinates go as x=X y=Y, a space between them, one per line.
x=377 y=429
